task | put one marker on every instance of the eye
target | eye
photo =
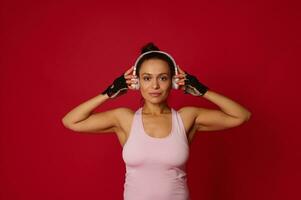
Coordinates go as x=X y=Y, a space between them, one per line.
x=146 y=78
x=163 y=78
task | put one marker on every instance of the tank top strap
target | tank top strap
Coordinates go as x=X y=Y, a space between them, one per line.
x=136 y=125
x=179 y=126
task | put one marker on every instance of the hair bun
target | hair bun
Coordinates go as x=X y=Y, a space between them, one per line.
x=149 y=47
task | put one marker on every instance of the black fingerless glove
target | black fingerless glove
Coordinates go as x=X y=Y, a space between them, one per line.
x=193 y=86
x=117 y=88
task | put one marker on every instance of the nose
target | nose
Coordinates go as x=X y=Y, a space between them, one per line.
x=155 y=84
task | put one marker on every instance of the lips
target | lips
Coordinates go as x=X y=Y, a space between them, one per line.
x=154 y=94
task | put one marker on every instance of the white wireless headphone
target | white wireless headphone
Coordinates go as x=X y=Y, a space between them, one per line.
x=174 y=80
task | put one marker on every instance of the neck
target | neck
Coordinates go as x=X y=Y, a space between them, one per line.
x=155 y=109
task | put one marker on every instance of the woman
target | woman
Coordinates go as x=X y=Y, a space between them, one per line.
x=156 y=138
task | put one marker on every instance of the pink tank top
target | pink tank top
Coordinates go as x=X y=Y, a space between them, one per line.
x=156 y=167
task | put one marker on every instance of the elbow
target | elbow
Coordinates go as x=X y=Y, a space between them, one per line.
x=66 y=124
x=247 y=117
x=71 y=126
x=244 y=119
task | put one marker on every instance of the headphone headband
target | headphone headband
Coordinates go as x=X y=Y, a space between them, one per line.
x=155 y=51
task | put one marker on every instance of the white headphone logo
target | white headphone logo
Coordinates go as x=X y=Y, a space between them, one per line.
x=174 y=80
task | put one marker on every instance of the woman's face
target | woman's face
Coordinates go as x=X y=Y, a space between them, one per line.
x=155 y=80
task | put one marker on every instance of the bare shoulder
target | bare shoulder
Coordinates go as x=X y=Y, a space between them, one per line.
x=123 y=112
x=193 y=111
x=188 y=115
x=188 y=111
x=124 y=118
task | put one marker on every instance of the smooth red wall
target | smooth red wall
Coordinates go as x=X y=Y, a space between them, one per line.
x=58 y=54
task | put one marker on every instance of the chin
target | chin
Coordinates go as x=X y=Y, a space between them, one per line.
x=156 y=100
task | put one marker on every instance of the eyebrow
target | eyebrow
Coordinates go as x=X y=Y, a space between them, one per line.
x=152 y=74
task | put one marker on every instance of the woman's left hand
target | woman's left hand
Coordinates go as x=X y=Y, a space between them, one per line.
x=190 y=84
x=181 y=76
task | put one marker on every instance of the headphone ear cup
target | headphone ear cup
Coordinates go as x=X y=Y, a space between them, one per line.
x=136 y=85
x=174 y=83
x=175 y=80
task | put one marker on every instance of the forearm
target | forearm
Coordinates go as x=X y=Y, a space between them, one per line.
x=84 y=110
x=227 y=105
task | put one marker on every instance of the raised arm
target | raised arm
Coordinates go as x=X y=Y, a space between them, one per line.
x=229 y=115
x=82 y=119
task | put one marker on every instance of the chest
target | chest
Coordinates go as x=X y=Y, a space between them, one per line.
x=157 y=126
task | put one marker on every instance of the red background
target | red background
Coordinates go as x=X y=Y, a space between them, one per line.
x=57 y=54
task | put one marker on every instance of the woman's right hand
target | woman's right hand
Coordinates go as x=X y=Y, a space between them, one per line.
x=121 y=84
x=130 y=78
